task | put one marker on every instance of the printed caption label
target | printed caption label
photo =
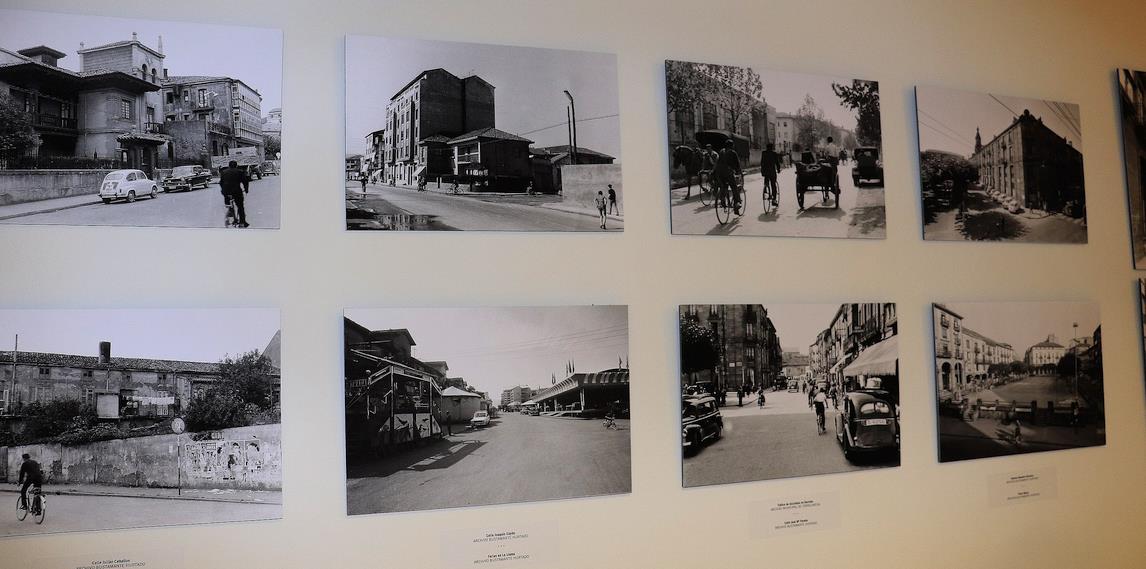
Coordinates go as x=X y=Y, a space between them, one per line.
x=170 y=559
x=535 y=545
x=795 y=514
x=1023 y=486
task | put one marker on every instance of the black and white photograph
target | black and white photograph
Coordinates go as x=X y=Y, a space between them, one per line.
x=113 y=419
x=1000 y=168
x=771 y=153
x=455 y=407
x=1132 y=95
x=1017 y=377
x=462 y=136
x=784 y=390
x=143 y=123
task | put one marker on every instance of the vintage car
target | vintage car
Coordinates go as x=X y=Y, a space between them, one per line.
x=868 y=166
x=867 y=423
x=480 y=419
x=270 y=168
x=186 y=178
x=793 y=386
x=700 y=422
x=126 y=185
x=817 y=173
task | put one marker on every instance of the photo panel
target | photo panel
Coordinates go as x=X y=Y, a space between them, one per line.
x=771 y=153
x=462 y=136
x=451 y=407
x=1000 y=168
x=1132 y=96
x=140 y=123
x=1017 y=377
x=139 y=418
x=785 y=390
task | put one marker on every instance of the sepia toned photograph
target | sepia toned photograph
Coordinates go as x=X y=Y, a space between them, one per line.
x=999 y=168
x=1132 y=96
x=456 y=407
x=461 y=136
x=784 y=390
x=113 y=419
x=771 y=153
x=1017 y=377
x=113 y=121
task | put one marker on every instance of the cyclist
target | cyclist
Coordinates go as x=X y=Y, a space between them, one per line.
x=30 y=475
x=819 y=401
x=727 y=168
x=769 y=166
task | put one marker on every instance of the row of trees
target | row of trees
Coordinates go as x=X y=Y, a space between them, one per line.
x=17 y=134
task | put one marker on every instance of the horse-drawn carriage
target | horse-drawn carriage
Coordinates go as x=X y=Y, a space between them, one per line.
x=817 y=173
x=699 y=161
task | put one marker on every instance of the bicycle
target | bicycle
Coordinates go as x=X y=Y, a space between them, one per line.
x=771 y=202
x=231 y=218
x=725 y=207
x=455 y=189
x=38 y=509
x=704 y=182
x=610 y=423
x=820 y=427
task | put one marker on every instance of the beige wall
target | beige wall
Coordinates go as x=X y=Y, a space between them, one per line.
x=922 y=514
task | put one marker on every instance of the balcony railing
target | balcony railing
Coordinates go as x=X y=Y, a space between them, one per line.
x=153 y=128
x=53 y=121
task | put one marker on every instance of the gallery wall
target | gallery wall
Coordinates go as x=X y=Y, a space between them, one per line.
x=921 y=514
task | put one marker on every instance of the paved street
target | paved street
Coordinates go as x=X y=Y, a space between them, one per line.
x=778 y=441
x=987 y=220
x=197 y=208
x=518 y=458
x=393 y=208
x=861 y=213
x=77 y=513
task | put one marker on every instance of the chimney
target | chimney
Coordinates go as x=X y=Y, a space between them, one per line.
x=134 y=36
x=105 y=353
x=160 y=50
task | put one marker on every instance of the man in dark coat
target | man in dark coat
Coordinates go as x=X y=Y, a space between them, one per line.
x=235 y=182
x=727 y=170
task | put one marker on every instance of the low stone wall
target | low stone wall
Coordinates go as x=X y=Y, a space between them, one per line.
x=580 y=184
x=20 y=186
x=244 y=458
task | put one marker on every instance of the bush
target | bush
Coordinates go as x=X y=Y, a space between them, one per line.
x=54 y=418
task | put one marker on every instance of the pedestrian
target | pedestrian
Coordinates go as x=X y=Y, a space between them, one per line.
x=740 y=396
x=614 y=209
x=363 y=180
x=234 y=182
x=449 y=427
x=600 y=202
x=1074 y=416
x=1018 y=431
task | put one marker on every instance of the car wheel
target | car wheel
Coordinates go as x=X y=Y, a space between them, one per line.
x=131 y=196
x=106 y=200
x=154 y=192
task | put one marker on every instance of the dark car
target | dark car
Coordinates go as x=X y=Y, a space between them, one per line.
x=868 y=166
x=700 y=422
x=187 y=178
x=817 y=173
x=867 y=423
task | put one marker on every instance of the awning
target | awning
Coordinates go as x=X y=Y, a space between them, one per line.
x=141 y=138
x=836 y=367
x=418 y=171
x=880 y=359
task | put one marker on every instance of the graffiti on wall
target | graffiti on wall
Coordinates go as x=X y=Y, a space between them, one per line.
x=407 y=429
x=223 y=459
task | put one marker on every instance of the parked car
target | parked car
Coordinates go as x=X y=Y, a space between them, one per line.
x=868 y=166
x=126 y=185
x=480 y=419
x=270 y=169
x=867 y=423
x=700 y=422
x=186 y=178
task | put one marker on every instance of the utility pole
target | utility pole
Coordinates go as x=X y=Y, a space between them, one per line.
x=12 y=390
x=572 y=126
x=1075 y=326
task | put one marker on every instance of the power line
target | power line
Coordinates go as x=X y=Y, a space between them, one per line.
x=949 y=129
x=563 y=123
x=941 y=133
x=1062 y=117
x=1003 y=104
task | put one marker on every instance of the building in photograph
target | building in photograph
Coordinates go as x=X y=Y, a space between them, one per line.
x=1030 y=166
x=513 y=397
x=353 y=166
x=374 y=160
x=796 y=365
x=749 y=348
x=710 y=112
x=582 y=393
x=1132 y=93
x=273 y=123
x=1043 y=357
x=210 y=116
x=860 y=343
x=548 y=161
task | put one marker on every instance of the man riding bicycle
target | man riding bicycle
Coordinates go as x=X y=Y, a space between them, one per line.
x=30 y=475
x=769 y=167
x=726 y=174
x=819 y=401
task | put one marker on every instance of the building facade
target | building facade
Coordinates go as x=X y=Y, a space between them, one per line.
x=749 y=348
x=708 y=114
x=1043 y=357
x=210 y=116
x=1132 y=93
x=853 y=330
x=515 y=396
x=373 y=161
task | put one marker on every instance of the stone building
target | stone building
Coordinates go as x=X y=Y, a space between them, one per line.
x=750 y=353
x=1132 y=92
x=210 y=116
x=708 y=114
x=515 y=396
x=860 y=341
x=1030 y=166
x=1043 y=357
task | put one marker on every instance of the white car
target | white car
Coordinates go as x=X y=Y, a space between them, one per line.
x=481 y=419
x=127 y=185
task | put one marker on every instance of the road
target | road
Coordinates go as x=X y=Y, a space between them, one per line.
x=197 y=208
x=778 y=441
x=861 y=213
x=518 y=458
x=79 y=513
x=474 y=213
x=987 y=220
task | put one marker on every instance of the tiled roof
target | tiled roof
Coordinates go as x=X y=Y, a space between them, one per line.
x=564 y=148
x=1047 y=344
x=92 y=362
x=121 y=43
x=489 y=132
x=175 y=79
x=436 y=138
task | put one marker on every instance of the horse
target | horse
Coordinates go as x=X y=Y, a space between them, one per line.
x=692 y=159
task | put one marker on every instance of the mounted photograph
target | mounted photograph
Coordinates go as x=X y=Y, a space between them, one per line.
x=114 y=121
x=1132 y=95
x=462 y=136
x=450 y=407
x=784 y=390
x=1017 y=377
x=113 y=419
x=772 y=153
x=999 y=168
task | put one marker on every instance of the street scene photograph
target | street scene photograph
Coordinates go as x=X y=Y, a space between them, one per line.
x=143 y=123
x=1017 y=377
x=459 y=136
x=456 y=407
x=771 y=153
x=113 y=419
x=1132 y=94
x=999 y=168
x=785 y=390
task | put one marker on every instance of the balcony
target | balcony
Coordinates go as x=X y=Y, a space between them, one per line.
x=44 y=120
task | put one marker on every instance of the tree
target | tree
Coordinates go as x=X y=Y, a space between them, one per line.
x=216 y=409
x=698 y=349
x=56 y=417
x=810 y=124
x=1068 y=365
x=272 y=146
x=685 y=85
x=936 y=167
x=243 y=394
x=1019 y=368
x=16 y=132
x=863 y=98
x=736 y=90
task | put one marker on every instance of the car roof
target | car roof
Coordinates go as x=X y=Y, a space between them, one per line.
x=124 y=171
x=695 y=399
x=865 y=395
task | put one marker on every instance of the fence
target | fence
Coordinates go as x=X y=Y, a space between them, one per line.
x=59 y=163
x=1027 y=412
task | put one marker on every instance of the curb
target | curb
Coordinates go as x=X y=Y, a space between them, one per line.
x=49 y=210
x=148 y=496
x=579 y=211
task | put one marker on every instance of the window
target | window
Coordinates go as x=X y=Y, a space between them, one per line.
x=150 y=114
x=125 y=108
x=89 y=395
x=127 y=376
x=41 y=393
x=186 y=95
x=161 y=379
x=170 y=97
x=45 y=371
x=86 y=374
x=202 y=97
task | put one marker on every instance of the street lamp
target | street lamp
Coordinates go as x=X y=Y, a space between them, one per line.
x=572 y=118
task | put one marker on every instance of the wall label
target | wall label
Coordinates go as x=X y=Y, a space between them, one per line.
x=1023 y=486
x=535 y=545
x=167 y=559
x=795 y=514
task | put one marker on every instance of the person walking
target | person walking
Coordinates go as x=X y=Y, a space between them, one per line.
x=614 y=209
x=233 y=183
x=449 y=427
x=740 y=396
x=363 y=179
x=600 y=202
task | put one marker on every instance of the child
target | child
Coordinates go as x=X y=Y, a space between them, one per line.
x=600 y=202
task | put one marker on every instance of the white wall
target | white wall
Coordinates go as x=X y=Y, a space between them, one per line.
x=919 y=515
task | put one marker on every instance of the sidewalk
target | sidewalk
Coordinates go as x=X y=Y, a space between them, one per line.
x=196 y=494
x=354 y=192
x=47 y=206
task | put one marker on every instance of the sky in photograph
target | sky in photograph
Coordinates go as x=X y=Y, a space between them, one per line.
x=948 y=118
x=497 y=348
x=786 y=91
x=528 y=85
x=198 y=335
x=797 y=325
x=1024 y=324
x=253 y=55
